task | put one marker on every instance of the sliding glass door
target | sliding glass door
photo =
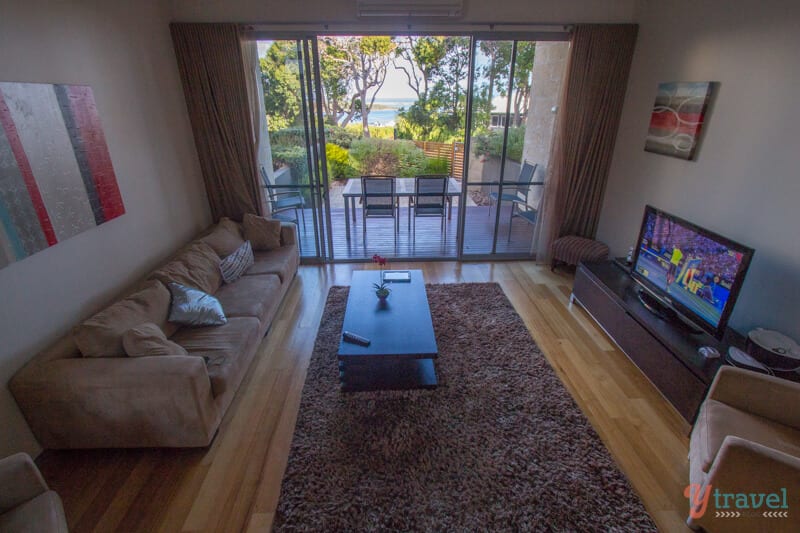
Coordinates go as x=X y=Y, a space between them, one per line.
x=501 y=186
x=340 y=107
x=295 y=178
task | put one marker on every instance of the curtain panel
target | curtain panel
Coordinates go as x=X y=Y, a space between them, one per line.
x=212 y=69
x=586 y=131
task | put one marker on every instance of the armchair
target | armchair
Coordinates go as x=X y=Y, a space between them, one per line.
x=26 y=503
x=746 y=440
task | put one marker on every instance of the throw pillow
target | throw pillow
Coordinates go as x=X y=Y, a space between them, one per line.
x=193 y=307
x=196 y=265
x=233 y=266
x=101 y=335
x=148 y=339
x=225 y=238
x=263 y=233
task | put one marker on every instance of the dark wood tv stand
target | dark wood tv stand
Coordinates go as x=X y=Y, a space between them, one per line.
x=666 y=352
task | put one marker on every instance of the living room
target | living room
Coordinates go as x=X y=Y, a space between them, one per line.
x=741 y=185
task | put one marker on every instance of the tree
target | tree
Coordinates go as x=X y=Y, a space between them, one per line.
x=523 y=77
x=281 y=77
x=359 y=63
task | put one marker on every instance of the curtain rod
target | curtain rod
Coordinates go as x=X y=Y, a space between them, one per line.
x=408 y=28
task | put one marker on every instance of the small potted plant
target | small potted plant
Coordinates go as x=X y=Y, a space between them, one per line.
x=382 y=290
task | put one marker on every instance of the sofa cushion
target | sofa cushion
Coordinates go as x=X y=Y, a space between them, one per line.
x=225 y=238
x=101 y=335
x=282 y=262
x=254 y=296
x=717 y=420
x=224 y=347
x=147 y=340
x=42 y=513
x=264 y=234
x=233 y=266
x=197 y=265
x=193 y=307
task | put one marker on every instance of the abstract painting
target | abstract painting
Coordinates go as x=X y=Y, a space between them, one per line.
x=56 y=177
x=677 y=118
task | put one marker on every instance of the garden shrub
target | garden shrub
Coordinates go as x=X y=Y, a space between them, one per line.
x=295 y=158
x=437 y=165
x=339 y=166
x=391 y=158
x=491 y=143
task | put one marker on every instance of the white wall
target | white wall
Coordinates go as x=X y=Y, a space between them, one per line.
x=517 y=11
x=125 y=54
x=744 y=183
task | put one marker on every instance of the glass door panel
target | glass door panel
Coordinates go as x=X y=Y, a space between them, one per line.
x=491 y=70
x=292 y=177
x=498 y=221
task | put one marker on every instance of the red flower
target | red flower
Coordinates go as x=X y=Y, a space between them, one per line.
x=380 y=260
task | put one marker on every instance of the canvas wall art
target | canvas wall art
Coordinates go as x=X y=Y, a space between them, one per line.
x=56 y=176
x=677 y=119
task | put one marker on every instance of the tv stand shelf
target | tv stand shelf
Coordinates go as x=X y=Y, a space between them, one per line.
x=665 y=351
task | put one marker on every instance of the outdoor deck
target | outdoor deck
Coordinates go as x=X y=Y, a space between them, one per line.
x=428 y=242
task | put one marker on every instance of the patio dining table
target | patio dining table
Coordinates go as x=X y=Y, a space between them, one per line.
x=404 y=188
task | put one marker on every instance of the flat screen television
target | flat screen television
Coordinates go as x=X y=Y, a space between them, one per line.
x=690 y=270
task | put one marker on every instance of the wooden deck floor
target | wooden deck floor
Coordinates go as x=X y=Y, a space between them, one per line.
x=426 y=242
x=234 y=484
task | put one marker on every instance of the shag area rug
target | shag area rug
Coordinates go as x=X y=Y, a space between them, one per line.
x=500 y=445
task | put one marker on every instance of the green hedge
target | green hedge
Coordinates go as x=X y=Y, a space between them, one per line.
x=340 y=166
x=491 y=143
x=295 y=158
x=391 y=158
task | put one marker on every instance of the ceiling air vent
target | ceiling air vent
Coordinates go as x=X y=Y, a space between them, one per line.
x=410 y=8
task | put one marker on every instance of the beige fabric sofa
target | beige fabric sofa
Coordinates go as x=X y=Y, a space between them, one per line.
x=746 y=440
x=26 y=503
x=71 y=400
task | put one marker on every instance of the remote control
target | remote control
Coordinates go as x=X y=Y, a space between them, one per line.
x=352 y=338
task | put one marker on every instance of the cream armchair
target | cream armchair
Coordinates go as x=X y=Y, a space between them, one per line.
x=746 y=441
x=26 y=503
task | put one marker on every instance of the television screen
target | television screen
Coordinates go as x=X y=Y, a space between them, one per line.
x=694 y=270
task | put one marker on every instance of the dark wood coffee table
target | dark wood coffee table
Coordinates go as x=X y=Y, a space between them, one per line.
x=403 y=345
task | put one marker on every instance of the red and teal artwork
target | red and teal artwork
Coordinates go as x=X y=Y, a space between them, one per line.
x=56 y=176
x=677 y=119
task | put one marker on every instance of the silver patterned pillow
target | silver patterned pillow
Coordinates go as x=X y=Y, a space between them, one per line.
x=193 y=307
x=234 y=265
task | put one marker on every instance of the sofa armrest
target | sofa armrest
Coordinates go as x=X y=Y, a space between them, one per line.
x=20 y=481
x=743 y=466
x=118 y=402
x=288 y=233
x=766 y=396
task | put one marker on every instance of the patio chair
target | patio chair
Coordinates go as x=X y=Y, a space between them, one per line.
x=379 y=200
x=430 y=199
x=281 y=199
x=516 y=192
x=524 y=210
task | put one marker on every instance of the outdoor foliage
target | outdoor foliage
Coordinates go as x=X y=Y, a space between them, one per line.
x=491 y=143
x=339 y=164
x=295 y=158
x=437 y=165
x=389 y=158
x=438 y=67
x=281 y=77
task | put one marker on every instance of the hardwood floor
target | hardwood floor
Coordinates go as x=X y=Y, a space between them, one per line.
x=234 y=484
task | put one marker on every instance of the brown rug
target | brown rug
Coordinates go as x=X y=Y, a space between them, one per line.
x=500 y=445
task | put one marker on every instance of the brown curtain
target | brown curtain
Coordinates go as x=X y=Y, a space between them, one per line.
x=215 y=85
x=586 y=131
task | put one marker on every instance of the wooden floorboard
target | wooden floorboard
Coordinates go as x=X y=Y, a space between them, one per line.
x=426 y=240
x=234 y=484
